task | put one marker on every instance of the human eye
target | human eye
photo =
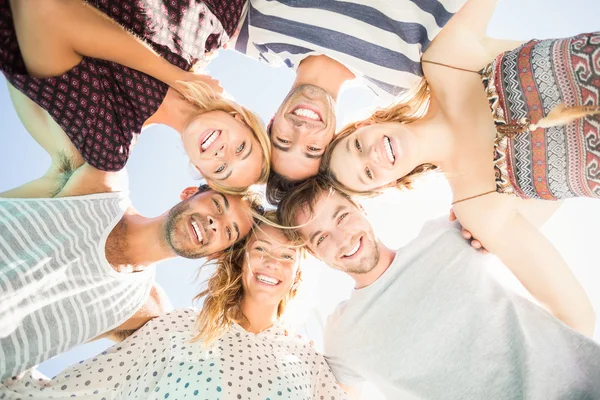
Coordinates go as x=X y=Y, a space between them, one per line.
x=228 y=232
x=313 y=149
x=357 y=145
x=240 y=148
x=284 y=141
x=220 y=169
x=288 y=256
x=368 y=173
x=217 y=205
x=342 y=217
x=320 y=240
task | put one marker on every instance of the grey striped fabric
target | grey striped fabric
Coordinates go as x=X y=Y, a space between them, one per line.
x=380 y=41
x=56 y=288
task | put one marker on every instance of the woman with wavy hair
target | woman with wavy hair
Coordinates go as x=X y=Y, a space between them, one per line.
x=237 y=347
x=540 y=141
x=105 y=73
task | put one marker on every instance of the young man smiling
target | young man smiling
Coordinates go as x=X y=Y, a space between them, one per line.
x=429 y=321
x=77 y=260
x=329 y=42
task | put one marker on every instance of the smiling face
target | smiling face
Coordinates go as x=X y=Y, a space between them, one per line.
x=373 y=156
x=223 y=148
x=270 y=266
x=339 y=234
x=206 y=223
x=301 y=130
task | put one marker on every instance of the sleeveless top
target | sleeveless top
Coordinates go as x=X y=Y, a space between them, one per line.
x=102 y=105
x=57 y=289
x=523 y=86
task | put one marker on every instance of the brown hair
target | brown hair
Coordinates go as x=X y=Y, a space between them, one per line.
x=304 y=196
x=206 y=100
x=410 y=107
x=224 y=291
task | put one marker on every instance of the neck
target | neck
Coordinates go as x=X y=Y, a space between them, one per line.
x=432 y=137
x=259 y=316
x=386 y=256
x=174 y=111
x=323 y=72
x=136 y=242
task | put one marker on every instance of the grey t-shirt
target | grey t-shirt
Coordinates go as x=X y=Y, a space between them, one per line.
x=437 y=325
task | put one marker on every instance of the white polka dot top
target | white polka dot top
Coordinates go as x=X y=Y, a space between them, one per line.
x=159 y=362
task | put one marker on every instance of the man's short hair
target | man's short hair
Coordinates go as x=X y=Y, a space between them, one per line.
x=278 y=186
x=304 y=197
x=251 y=198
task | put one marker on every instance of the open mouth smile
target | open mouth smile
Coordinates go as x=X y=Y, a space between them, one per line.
x=209 y=139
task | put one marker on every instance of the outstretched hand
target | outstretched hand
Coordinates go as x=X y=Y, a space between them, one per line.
x=476 y=244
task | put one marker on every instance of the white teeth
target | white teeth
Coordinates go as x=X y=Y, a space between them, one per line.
x=267 y=280
x=197 y=230
x=210 y=139
x=303 y=112
x=353 y=251
x=388 y=149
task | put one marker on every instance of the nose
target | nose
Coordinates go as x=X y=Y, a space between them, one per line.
x=374 y=155
x=220 y=151
x=213 y=224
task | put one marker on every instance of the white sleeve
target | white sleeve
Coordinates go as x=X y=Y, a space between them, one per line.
x=325 y=385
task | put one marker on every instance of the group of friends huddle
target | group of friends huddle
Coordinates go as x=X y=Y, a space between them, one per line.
x=514 y=127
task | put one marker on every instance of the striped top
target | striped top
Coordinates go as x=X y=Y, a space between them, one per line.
x=56 y=288
x=380 y=41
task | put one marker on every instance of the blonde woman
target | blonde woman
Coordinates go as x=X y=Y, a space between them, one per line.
x=102 y=106
x=236 y=347
x=539 y=142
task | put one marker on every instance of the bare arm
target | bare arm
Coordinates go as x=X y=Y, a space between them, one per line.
x=530 y=256
x=157 y=304
x=64 y=156
x=51 y=46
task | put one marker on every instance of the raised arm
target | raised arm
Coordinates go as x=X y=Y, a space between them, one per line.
x=530 y=256
x=51 y=46
x=64 y=156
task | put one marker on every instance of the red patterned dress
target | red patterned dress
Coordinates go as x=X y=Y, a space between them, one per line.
x=102 y=105
x=527 y=83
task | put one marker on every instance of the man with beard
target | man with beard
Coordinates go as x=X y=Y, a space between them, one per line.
x=429 y=321
x=378 y=42
x=77 y=262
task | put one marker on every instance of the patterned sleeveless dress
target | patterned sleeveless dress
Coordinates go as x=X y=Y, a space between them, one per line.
x=102 y=105
x=525 y=85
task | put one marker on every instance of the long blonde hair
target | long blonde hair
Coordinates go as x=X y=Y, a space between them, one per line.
x=206 y=100
x=224 y=292
x=410 y=107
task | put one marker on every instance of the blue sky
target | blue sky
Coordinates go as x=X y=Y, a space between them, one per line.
x=159 y=170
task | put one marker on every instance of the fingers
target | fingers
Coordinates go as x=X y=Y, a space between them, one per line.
x=466 y=234
x=452 y=216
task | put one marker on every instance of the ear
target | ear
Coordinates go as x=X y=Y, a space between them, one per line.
x=188 y=192
x=238 y=117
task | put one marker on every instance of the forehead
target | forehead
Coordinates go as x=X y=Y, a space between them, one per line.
x=323 y=209
x=271 y=235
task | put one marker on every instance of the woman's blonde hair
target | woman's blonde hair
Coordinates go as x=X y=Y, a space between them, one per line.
x=224 y=290
x=206 y=100
x=410 y=107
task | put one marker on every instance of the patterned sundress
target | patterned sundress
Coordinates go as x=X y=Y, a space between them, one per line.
x=103 y=105
x=523 y=86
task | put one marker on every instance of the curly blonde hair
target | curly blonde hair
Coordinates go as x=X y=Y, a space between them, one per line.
x=410 y=107
x=224 y=291
x=206 y=100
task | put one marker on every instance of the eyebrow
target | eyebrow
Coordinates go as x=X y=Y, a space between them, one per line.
x=348 y=145
x=248 y=152
x=279 y=147
x=227 y=175
x=313 y=156
x=237 y=231
x=225 y=201
x=335 y=214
